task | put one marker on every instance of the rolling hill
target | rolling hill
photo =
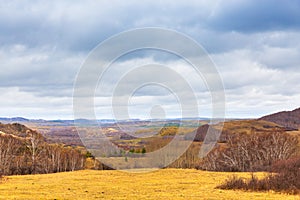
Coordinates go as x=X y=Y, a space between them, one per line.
x=287 y=119
x=15 y=129
x=236 y=127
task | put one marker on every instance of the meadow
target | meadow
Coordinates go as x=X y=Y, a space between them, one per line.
x=160 y=184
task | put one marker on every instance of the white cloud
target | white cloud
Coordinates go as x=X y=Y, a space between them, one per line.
x=43 y=44
x=14 y=102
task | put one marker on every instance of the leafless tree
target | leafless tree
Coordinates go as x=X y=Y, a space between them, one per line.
x=33 y=155
x=34 y=144
x=249 y=152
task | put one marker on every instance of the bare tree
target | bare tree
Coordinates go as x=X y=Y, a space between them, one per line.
x=9 y=148
x=34 y=144
x=31 y=154
x=249 y=152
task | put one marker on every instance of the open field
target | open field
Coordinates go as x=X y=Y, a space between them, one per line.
x=162 y=184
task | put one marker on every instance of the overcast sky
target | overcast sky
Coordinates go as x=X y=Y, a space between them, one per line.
x=254 y=44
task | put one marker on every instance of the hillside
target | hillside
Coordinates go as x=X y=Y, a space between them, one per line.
x=288 y=119
x=236 y=127
x=162 y=184
x=14 y=129
x=25 y=151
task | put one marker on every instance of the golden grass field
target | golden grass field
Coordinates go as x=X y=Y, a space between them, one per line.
x=162 y=184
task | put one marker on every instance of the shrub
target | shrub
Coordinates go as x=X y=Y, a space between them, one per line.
x=233 y=182
x=143 y=150
x=89 y=155
x=286 y=179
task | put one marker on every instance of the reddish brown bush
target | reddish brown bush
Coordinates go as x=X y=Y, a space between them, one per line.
x=286 y=179
x=233 y=182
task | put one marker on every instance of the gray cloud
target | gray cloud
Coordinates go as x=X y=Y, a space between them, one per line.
x=256 y=16
x=255 y=45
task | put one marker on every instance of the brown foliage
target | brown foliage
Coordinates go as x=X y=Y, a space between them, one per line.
x=287 y=119
x=202 y=132
x=287 y=179
x=14 y=129
x=253 y=184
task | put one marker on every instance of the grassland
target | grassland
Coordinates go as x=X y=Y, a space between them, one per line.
x=162 y=184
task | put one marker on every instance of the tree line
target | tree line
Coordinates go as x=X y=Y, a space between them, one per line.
x=251 y=152
x=32 y=155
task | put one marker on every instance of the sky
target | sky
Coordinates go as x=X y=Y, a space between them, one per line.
x=255 y=46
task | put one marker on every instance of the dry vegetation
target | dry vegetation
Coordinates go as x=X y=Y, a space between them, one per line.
x=24 y=151
x=162 y=184
x=285 y=178
x=251 y=152
x=247 y=145
x=289 y=119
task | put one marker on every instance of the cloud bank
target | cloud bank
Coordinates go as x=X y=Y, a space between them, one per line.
x=255 y=46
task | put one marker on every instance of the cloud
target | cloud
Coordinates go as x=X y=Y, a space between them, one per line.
x=254 y=44
x=80 y=26
x=39 y=70
x=15 y=102
x=256 y=16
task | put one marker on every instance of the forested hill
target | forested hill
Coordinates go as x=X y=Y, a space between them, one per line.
x=15 y=129
x=288 y=119
x=25 y=151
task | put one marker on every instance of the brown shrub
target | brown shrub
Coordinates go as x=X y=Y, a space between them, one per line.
x=233 y=182
x=286 y=179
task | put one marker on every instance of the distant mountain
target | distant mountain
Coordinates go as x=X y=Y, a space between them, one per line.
x=14 y=119
x=20 y=119
x=287 y=119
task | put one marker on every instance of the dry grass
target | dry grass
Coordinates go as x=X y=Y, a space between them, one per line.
x=162 y=184
x=246 y=126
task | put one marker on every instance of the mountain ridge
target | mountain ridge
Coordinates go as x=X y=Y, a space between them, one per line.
x=287 y=119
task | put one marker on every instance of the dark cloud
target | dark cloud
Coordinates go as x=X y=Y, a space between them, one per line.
x=81 y=26
x=256 y=16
